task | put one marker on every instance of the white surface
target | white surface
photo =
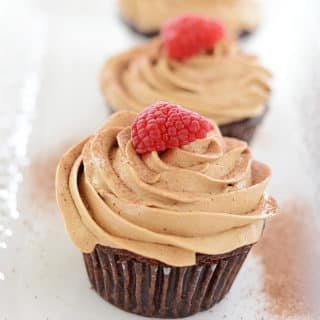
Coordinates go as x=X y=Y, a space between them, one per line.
x=50 y=57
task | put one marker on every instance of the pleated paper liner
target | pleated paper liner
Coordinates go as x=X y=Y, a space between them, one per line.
x=244 y=129
x=150 y=34
x=153 y=289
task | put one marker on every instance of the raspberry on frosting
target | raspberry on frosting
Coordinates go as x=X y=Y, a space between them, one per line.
x=164 y=125
x=187 y=35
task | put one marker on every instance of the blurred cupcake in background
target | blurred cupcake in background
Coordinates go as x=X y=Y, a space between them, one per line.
x=147 y=16
x=192 y=63
x=164 y=209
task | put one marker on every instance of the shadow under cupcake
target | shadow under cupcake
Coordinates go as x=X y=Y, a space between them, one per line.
x=163 y=208
x=210 y=76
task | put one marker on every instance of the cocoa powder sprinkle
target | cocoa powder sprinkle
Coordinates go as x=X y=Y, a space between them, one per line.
x=41 y=174
x=290 y=255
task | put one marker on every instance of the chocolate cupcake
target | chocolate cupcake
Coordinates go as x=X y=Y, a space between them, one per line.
x=163 y=208
x=147 y=16
x=214 y=78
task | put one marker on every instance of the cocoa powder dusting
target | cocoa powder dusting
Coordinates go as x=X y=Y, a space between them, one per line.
x=290 y=255
x=41 y=174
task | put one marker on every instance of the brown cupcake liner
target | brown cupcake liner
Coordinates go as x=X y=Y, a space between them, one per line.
x=150 y=34
x=152 y=289
x=244 y=129
x=134 y=29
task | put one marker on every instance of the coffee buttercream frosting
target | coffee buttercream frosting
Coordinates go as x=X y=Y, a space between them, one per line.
x=149 y=15
x=223 y=84
x=206 y=197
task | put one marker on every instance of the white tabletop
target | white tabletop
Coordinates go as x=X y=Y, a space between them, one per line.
x=50 y=56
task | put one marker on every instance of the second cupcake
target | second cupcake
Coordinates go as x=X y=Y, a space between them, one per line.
x=193 y=64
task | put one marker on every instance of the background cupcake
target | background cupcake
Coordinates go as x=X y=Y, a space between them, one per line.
x=193 y=64
x=164 y=209
x=147 y=16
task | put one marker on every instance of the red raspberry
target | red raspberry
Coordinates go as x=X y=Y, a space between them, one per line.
x=165 y=125
x=187 y=35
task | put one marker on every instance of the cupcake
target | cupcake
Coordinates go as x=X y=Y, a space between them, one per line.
x=147 y=16
x=164 y=209
x=195 y=65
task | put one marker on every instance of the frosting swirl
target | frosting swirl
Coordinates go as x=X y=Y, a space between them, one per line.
x=205 y=197
x=224 y=84
x=149 y=15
